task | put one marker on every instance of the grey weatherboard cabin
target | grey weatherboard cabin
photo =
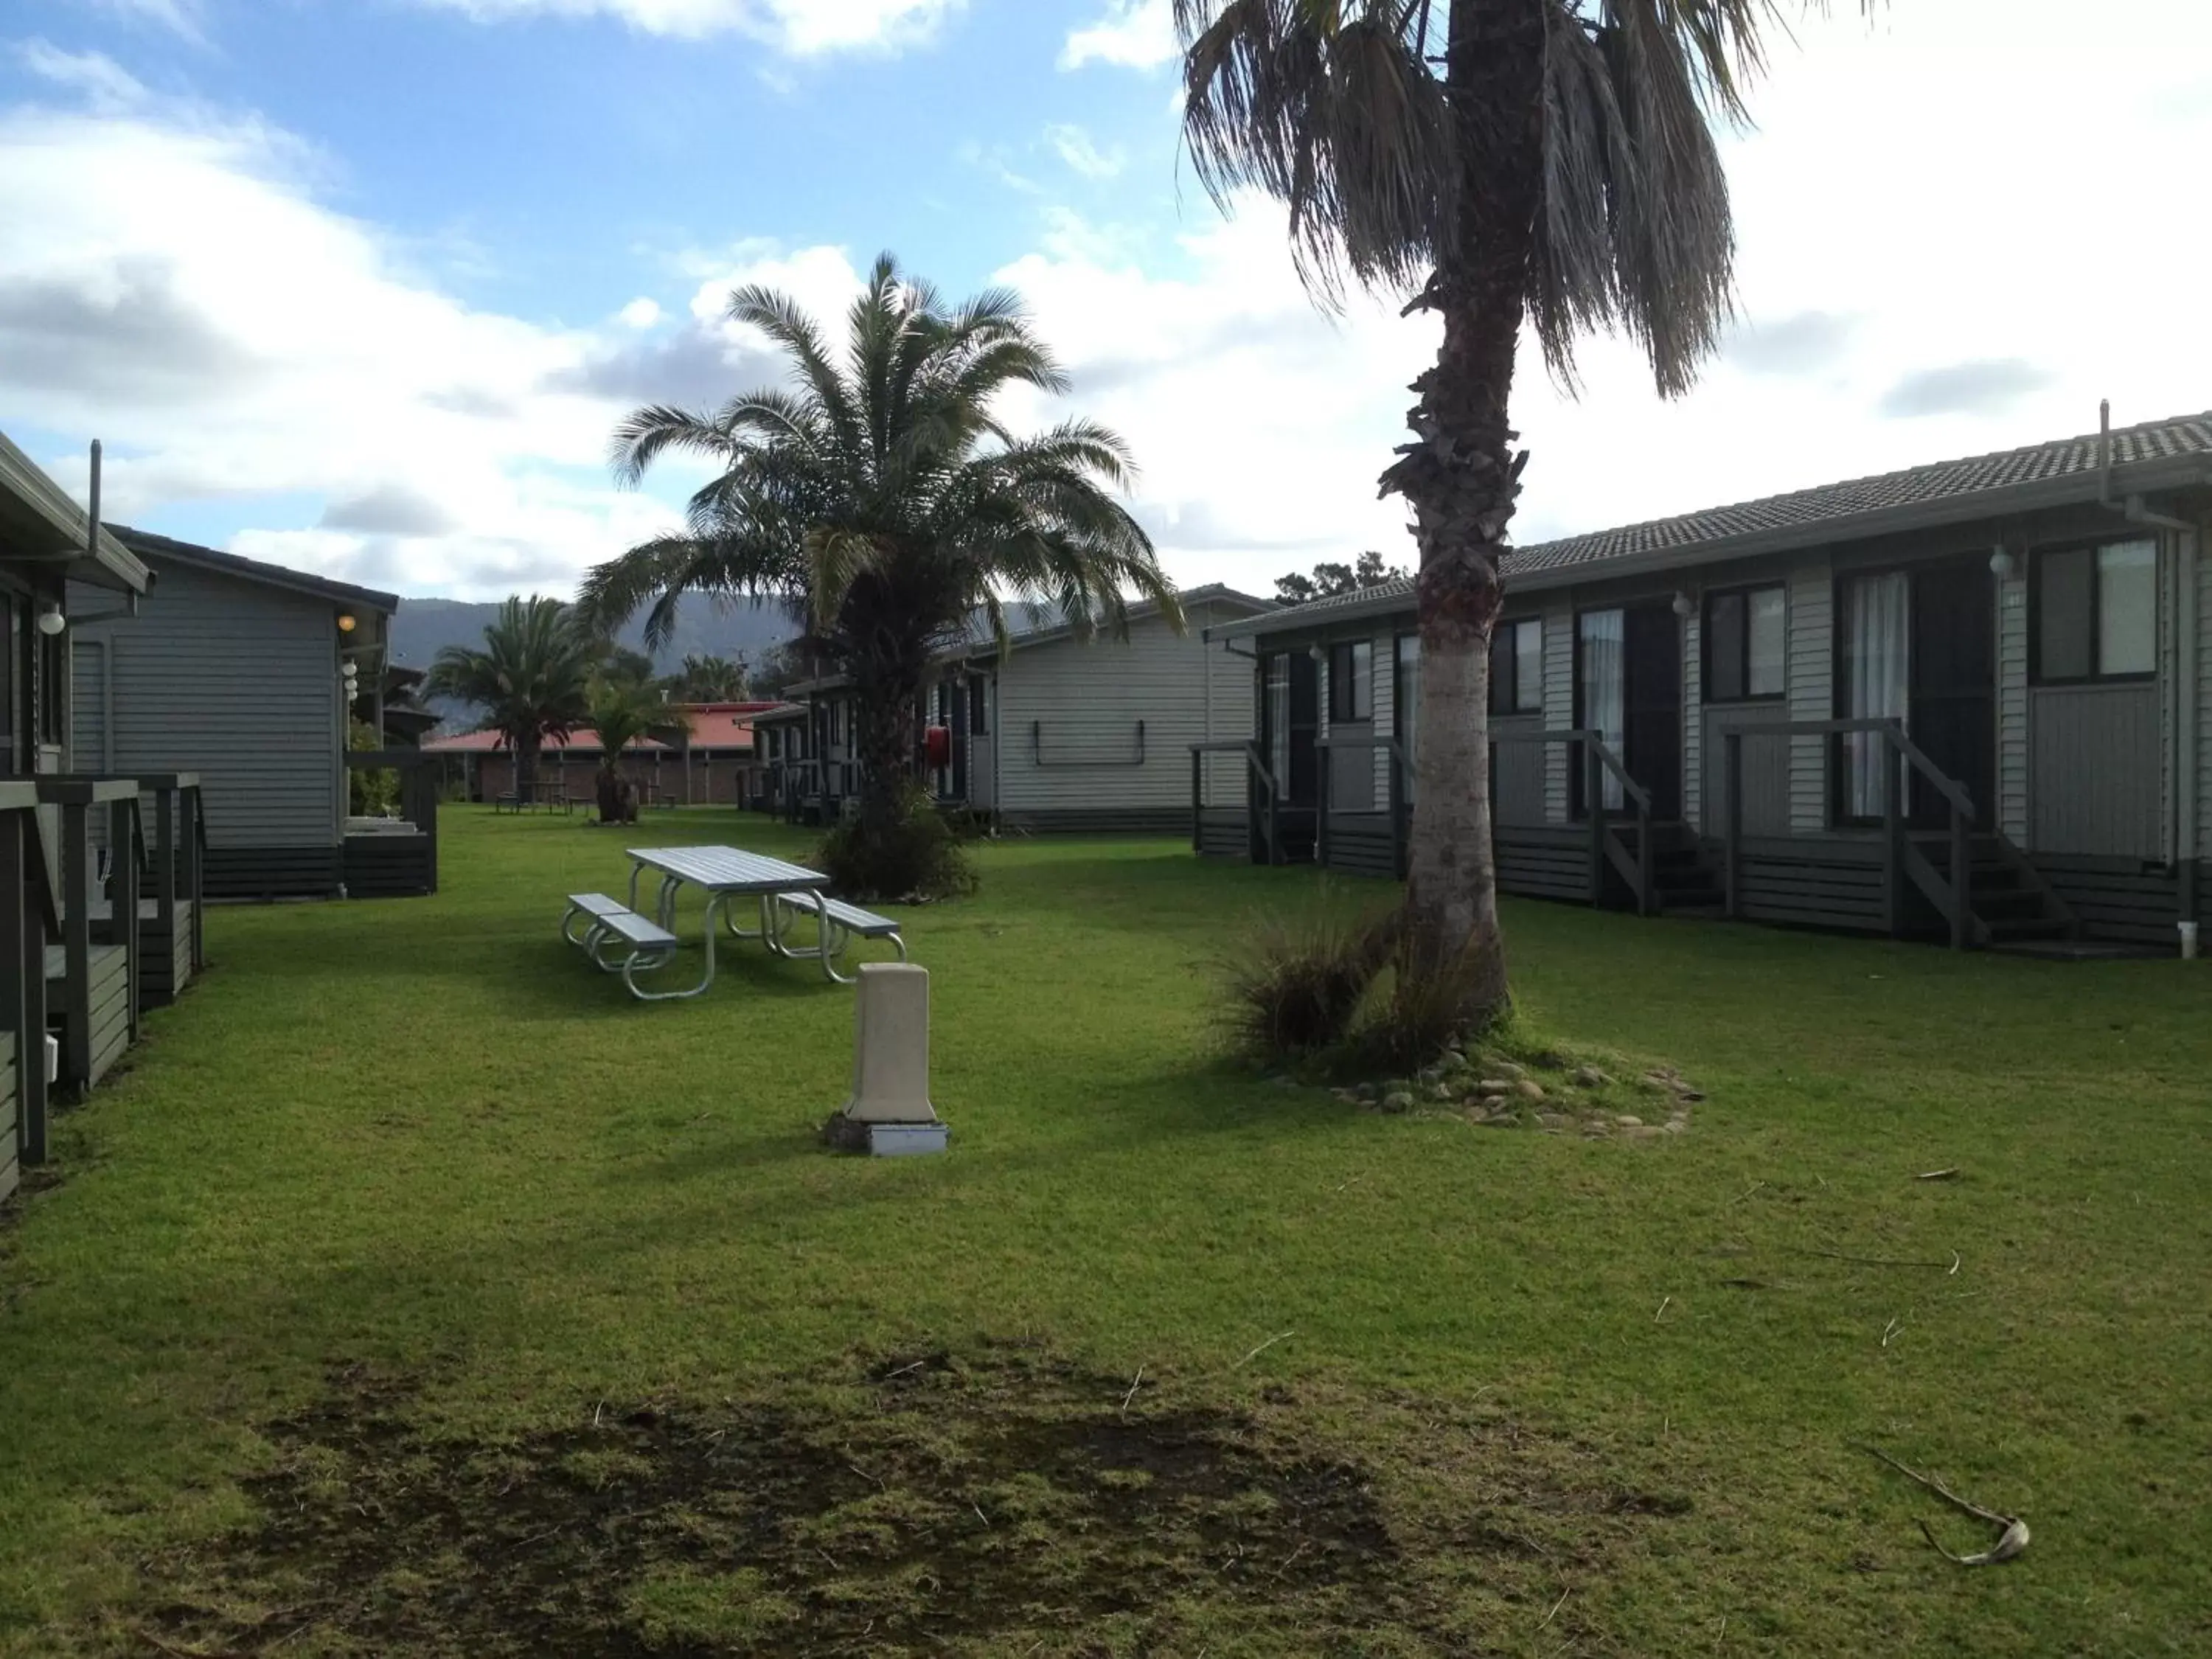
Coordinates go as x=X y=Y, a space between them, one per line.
x=232 y=669
x=1056 y=733
x=1970 y=701
x=70 y=970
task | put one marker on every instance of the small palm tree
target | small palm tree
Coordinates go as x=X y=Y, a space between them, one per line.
x=1551 y=161
x=623 y=711
x=530 y=680
x=883 y=498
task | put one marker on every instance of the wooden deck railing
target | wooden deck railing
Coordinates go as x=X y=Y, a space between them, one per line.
x=1397 y=805
x=30 y=917
x=1263 y=796
x=76 y=799
x=1902 y=861
x=180 y=856
x=1598 y=762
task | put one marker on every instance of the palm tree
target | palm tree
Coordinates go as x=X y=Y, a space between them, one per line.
x=530 y=680
x=624 y=710
x=883 y=498
x=709 y=680
x=1497 y=160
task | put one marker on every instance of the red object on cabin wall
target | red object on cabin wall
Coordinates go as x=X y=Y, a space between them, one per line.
x=937 y=744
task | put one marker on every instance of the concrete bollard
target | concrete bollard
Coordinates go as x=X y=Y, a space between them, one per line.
x=888 y=1110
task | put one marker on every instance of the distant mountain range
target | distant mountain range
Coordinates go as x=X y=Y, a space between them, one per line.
x=423 y=627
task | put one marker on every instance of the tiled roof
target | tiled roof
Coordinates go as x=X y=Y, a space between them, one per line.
x=1941 y=483
x=714 y=726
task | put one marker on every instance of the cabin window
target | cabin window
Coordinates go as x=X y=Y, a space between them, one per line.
x=1746 y=646
x=1406 y=704
x=1517 y=667
x=979 y=719
x=1351 y=681
x=2096 y=612
x=836 y=722
x=53 y=688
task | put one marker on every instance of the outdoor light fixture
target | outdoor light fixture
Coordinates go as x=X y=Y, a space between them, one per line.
x=2000 y=564
x=346 y=621
x=1685 y=606
x=50 y=620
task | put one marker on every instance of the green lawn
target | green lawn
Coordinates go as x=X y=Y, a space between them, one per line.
x=416 y=1292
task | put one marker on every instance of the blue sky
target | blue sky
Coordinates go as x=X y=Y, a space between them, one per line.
x=361 y=285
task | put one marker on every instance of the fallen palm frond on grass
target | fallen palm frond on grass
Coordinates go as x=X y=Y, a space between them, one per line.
x=2012 y=1540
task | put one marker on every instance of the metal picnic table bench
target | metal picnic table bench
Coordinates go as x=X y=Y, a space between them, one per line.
x=785 y=894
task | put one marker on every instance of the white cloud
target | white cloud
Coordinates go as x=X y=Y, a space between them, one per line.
x=171 y=284
x=802 y=28
x=1259 y=424
x=1132 y=33
x=639 y=314
x=1077 y=149
x=104 y=84
x=179 y=16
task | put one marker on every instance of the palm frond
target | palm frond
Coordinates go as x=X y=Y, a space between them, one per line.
x=648 y=432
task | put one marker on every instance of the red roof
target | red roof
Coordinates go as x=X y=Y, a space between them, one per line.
x=714 y=726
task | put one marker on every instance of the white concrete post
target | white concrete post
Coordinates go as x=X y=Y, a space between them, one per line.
x=891 y=1046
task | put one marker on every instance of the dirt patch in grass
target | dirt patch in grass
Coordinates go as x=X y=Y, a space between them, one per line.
x=1001 y=1502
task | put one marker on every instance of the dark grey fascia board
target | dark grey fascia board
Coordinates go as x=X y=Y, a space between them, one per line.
x=107 y=563
x=1301 y=620
x=2078 y=489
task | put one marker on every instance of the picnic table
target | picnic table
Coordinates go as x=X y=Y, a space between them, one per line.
x=786 y=894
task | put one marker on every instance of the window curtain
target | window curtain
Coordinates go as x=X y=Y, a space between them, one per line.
x=1279 y=720
x=1875 y=645
x=1604 y=662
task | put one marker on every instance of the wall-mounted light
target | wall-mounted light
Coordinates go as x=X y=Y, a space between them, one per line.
x=2002 y=564
x=1316 y=653
x=1685 y=606
x=347 y=622
x=50 y=620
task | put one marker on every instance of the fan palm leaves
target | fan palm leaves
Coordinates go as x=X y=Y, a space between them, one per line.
x=1551 y=162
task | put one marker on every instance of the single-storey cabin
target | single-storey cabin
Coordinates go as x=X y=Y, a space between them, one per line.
x=1971 y=699
x=1055 y=731
x=238 y=670
x=52 y=555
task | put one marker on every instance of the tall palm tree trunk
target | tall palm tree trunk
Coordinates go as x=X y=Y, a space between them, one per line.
x=525 y=769
x=1461 y=477
x=883 y=733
